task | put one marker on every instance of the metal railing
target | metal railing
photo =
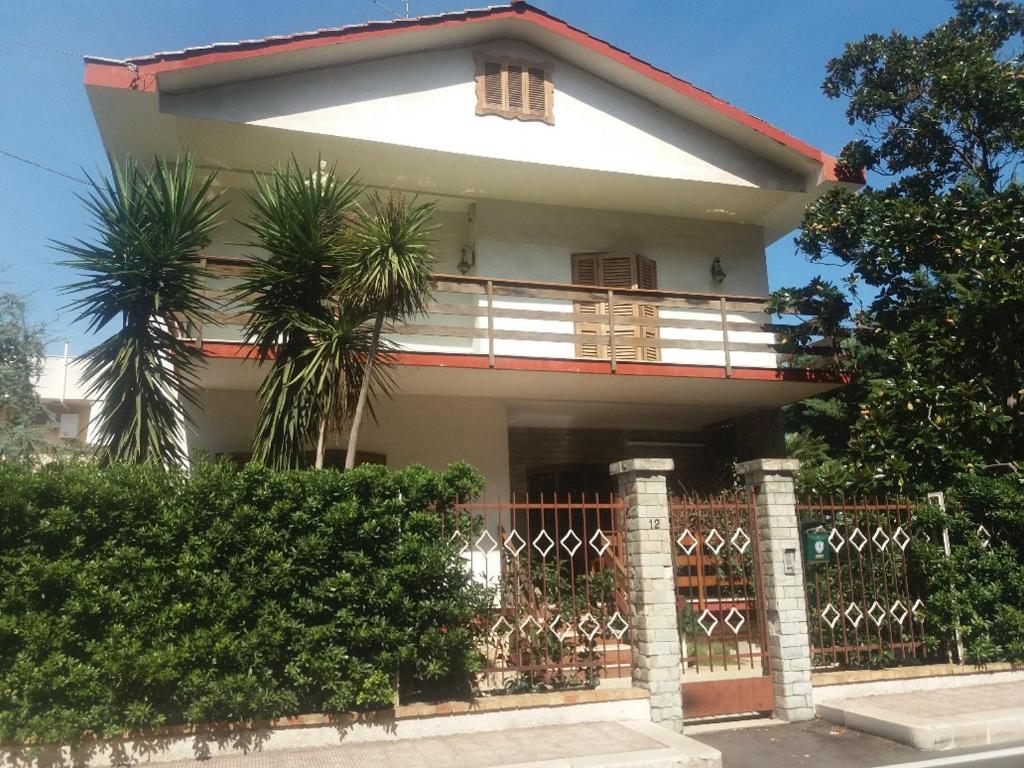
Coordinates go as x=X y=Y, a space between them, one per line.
x=499 y=318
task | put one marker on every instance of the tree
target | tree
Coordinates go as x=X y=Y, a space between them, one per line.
x=939 y=350
x=143 y=269
x=22 y=355
x=387 y=266
x=316 y=336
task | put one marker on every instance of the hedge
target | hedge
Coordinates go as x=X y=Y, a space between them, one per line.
x=979 y=588
x=133 y=597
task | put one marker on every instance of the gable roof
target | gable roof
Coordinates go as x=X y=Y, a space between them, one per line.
x=143 y=73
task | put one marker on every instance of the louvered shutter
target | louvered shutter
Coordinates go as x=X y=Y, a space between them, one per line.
x=492 y=90
x=585 y=270
x=537 y=91
x=620 y=271
x=515 y=88
x=647 y=272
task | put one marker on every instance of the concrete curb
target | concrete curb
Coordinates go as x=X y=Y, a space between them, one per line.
x=881 y=687
x=926 y=733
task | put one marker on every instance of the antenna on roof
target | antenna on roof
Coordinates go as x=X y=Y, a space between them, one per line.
x=391 y=10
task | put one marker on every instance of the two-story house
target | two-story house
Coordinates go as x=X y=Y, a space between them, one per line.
x=600 y=267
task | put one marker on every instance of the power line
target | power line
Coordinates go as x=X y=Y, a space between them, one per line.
x=36 y=56
x=42 y=167
x=60 y=51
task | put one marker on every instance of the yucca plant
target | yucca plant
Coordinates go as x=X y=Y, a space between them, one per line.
x=386 y=268
x=315 y=337
x=142 y=269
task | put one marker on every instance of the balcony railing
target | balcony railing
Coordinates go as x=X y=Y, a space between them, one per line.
x=500 y=318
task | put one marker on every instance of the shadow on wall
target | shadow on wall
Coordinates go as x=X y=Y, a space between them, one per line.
x=378 y=80
x=202 y=742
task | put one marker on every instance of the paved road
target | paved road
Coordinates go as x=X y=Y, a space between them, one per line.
x=814 y=745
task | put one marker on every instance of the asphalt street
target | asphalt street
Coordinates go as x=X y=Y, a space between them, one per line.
x=817 y=744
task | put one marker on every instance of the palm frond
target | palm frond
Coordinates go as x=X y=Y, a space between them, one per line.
x=142 y=267
x=388 y=262
x=300 y=222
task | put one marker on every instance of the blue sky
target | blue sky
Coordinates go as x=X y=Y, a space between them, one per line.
x=766 y=57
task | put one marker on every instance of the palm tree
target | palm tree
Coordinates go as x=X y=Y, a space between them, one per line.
x=316 y=338
x=387 y=266
x=142 y=268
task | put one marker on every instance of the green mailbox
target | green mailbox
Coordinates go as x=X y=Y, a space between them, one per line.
x=816 y=549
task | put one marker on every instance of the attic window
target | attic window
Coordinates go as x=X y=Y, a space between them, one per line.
x=513 y=88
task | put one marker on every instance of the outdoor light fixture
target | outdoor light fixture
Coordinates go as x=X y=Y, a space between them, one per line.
x=717 y=272
x=467 y=259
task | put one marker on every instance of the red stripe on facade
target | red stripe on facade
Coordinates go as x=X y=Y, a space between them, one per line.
x=240 y=351
x=140 y=73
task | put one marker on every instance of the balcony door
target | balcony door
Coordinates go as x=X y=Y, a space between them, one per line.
x=616 y=270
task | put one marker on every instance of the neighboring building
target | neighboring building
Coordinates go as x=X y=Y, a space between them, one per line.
x=571 y=177
x=64 y=394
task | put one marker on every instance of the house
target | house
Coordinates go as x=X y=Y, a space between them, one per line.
x=601 y=269
x=63 y=391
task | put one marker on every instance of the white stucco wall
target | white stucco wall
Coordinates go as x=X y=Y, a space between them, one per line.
x=433 y=431
x=62 y=379
x=427 y=100
x=536 y=242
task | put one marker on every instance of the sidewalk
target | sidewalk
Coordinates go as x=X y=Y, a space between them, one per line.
x=592 y=745
x=936 y=720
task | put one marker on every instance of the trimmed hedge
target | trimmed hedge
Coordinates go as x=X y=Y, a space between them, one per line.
x=132 y=597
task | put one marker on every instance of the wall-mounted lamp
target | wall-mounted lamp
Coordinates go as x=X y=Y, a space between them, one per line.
x=467 y=259
x=717 y=272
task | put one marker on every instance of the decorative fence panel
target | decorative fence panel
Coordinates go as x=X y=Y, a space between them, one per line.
x=863 y=608
x=557 y=565
x=718 y=595
x=720 y=606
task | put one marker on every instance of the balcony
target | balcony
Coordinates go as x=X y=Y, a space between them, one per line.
x=497 y=323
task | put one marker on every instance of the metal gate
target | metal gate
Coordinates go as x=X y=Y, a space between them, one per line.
x=725 y=657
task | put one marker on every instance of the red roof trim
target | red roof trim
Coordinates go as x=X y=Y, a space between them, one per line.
x=241 y=351
x=140 y=73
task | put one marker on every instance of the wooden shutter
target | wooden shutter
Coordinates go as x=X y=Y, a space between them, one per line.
x=585 y=270
x=537 y=85
x=492 y=90
x=515 y=88
x=620 y=271
x=614 y=270
x=647 y=272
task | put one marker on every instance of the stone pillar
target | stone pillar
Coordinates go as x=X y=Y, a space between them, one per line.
x=770 y=483
x=652 y=592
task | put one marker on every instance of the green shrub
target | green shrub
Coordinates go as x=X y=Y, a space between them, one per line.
x=133 y=597
x=980 y=587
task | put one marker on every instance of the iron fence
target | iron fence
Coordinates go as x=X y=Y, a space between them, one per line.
x=557 y=567
x=863 y=606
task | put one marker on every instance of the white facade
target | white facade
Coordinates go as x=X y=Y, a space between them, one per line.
x=634 y=162
x=65 y=393
x=598 y=127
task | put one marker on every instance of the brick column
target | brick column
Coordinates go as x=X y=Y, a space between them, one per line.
x=770 y=481
x=652 y=593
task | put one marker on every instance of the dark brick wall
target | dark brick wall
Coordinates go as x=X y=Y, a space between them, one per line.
x=756 y=435
x=533 y=449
